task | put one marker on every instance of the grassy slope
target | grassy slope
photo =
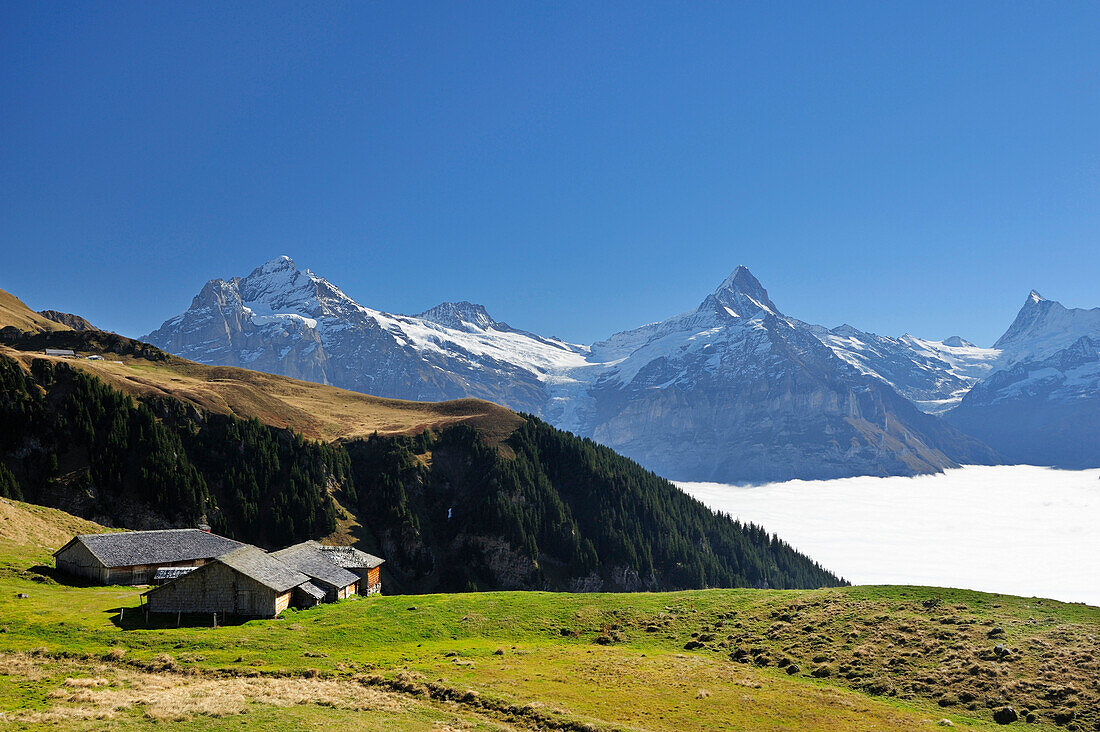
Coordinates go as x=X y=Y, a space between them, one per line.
x=14 y=311
x=315 y=410
x=34 y=532
x=536 y=658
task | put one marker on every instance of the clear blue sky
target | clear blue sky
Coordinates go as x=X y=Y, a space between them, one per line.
x=577 y=167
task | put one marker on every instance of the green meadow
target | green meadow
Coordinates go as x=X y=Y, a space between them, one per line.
x=887 y=657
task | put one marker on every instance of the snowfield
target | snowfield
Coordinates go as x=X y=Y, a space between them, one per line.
x=1020 y=530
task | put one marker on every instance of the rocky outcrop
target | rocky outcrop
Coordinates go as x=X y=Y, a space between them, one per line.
x=67 y=319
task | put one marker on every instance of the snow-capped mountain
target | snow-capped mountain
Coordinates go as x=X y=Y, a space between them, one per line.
x=934 y=375
x=282 y=320
x=736 y=391
x=732 y=390
x=1042 y=403
x=1045 y=327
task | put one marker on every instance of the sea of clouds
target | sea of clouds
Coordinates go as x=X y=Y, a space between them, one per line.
x=1020 y=530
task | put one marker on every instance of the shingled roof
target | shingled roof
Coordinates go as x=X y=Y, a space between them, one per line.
x=308 y=558
x=266 y=569
x=130 y=548
x=312 y=590
x=349 y=557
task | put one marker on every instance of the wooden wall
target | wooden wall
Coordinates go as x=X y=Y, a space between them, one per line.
x=372 y=583
x=76 y=560
x=217 y=588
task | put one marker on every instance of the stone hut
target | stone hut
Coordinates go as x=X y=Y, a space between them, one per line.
x=367 y=566
x=133 y=557
x=247 y=581
x=309 y=559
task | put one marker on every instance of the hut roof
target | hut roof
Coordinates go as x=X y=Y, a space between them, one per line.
x=266 y=569
x=312 y=590
x=349 y=557
x=308 y=558
x=129 y=548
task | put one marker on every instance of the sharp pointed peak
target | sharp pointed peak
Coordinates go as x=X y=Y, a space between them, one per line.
x=740 y=279
x=1035 y=297
x=742 y=292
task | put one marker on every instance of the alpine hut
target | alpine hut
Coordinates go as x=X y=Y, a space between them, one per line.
x=246 y=581
x=133 y=557
x=309 y=559
x=367 y=566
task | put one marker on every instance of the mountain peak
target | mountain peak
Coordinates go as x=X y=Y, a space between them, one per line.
x=846 y=330
x=741 y=279
x=459 y=315
x=1043 y=327
x=281 y=263
x=957 y=342
x=742 y=295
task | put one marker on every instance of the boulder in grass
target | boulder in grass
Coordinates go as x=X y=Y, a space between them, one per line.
x=1005 y=715
x=1063 y=716
x=792 y=668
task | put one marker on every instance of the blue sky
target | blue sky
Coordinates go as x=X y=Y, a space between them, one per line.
x=579 y=168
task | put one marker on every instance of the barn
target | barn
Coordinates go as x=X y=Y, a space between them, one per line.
x=309 y=559
x=133 y=557
x=367 y=566
x=246 y=581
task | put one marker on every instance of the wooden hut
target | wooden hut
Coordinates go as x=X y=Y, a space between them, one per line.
x=133 y=557
x=307 y=558
x=367 y=566
x=247 y=581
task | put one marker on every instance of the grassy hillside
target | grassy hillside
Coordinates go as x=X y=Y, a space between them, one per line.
x=28 y=531
x=903 y=658
x=314 y=410
x=15 y=312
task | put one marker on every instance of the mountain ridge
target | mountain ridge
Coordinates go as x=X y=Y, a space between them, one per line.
x=826 y=419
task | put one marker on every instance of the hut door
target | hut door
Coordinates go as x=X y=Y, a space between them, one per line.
x=244 y=601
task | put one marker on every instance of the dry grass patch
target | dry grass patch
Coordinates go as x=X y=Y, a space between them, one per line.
x=316 y=411
x=14 y=311
x=24 y=524
x=176 y=697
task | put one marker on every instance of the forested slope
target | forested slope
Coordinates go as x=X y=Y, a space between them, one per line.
x=449 y=509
